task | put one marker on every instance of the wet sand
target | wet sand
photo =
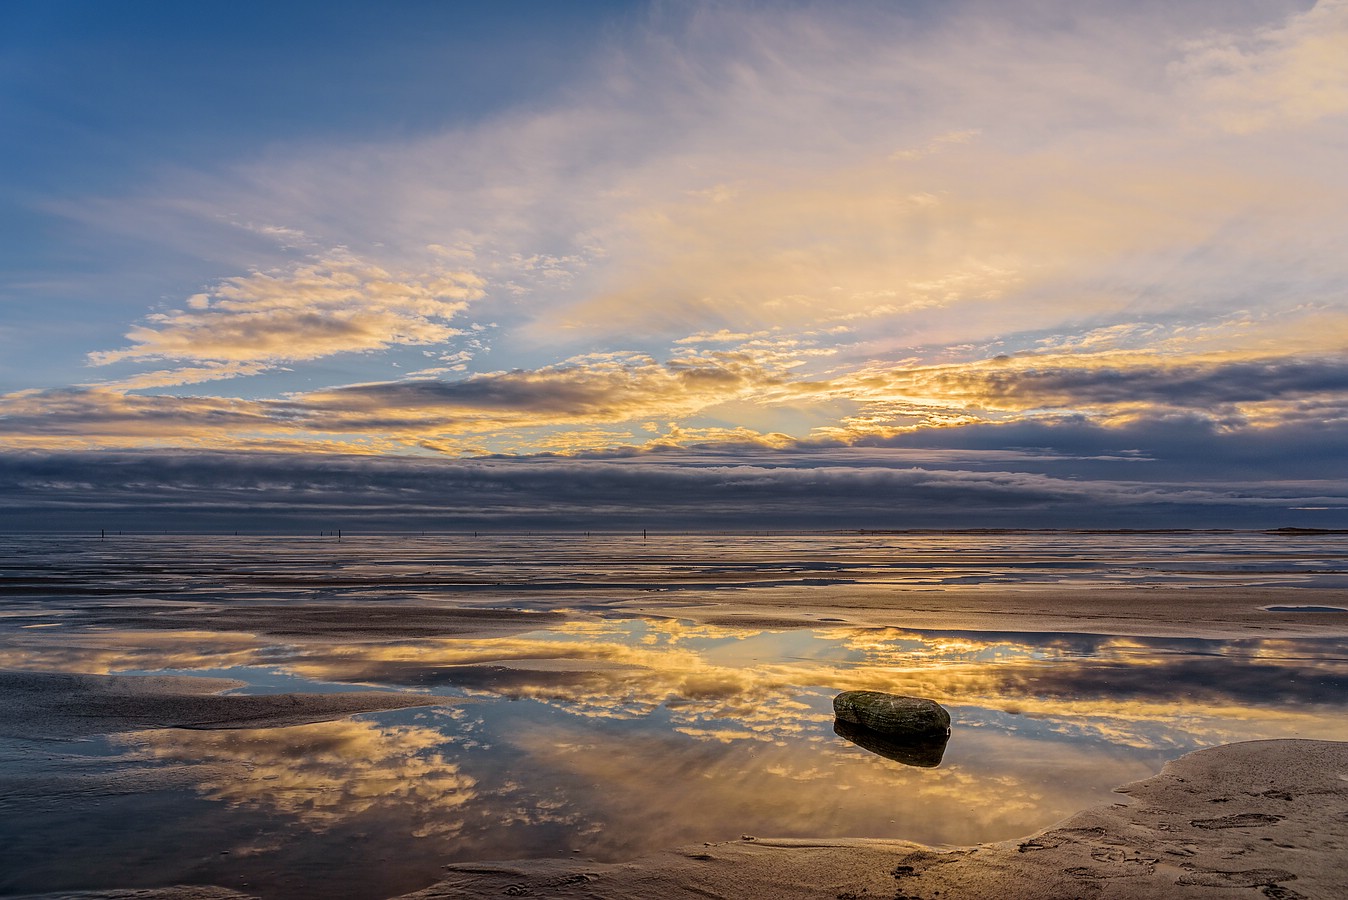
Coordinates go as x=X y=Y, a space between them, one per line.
x=1257 y=819
x=62 y=706
x=1182 y=612
x=1263 y=818
x=1206 y=612
x=1246 y=820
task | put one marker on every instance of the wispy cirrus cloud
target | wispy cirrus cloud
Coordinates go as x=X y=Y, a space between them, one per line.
x=1289 y=74
x=213 y=371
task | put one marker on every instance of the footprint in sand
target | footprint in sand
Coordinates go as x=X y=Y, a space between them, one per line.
x=1241 y=820
x=1247 y=878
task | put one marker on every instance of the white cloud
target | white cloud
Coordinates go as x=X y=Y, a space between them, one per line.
x=185 y=375
x=335 y=304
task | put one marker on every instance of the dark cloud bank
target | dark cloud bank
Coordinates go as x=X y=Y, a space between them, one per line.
x=1164 y=474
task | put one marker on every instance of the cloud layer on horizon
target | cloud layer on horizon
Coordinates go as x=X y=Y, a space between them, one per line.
x=842 y=488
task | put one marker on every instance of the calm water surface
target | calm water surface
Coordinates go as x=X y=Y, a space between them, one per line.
x=603 y=735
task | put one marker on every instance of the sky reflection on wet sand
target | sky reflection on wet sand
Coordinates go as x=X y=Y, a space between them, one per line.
x=606 y=735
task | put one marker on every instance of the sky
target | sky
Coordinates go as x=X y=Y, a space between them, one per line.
x=621 y=264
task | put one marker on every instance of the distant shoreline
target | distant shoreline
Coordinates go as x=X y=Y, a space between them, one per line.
x=661 y=532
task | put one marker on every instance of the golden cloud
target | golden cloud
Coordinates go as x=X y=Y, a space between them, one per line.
x=336 y=304
x=322 y=774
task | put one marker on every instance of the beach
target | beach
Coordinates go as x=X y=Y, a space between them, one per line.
x=645 y=449
x=276 y=708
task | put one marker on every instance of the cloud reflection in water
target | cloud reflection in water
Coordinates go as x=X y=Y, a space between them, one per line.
x=322 y=773
x=665 y=687
x=614 y=737
x=727 y=684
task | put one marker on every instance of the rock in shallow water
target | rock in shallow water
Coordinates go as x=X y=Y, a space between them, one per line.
x=891 y=714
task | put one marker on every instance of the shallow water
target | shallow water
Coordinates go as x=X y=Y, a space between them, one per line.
x=603 y=735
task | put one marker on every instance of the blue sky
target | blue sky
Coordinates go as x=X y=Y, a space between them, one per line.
x=1057 y=263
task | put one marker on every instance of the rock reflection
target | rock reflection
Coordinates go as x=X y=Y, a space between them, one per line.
x=922 y=751
x=321 y=774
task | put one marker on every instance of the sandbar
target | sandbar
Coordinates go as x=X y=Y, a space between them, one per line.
x=52 y=705
x=1216 y=612
x=1219 y=612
